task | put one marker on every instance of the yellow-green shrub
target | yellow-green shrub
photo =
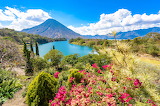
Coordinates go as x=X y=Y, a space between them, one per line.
x=41 y=90
x=76 y=75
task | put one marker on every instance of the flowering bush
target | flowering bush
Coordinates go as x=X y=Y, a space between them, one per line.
x=56 y=74
x=106 y=87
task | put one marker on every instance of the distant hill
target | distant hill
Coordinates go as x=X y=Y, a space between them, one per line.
x=52 y=29
x=15 y=36
x=126 y=35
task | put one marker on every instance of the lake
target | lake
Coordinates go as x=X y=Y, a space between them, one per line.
x=65 y=48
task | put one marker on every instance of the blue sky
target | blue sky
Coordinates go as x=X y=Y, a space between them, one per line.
x=80 y=14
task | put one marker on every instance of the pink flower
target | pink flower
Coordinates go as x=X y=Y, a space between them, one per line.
x=137 y=83
x=56 y=74
x=128 y=99
x=60 y=97
x=125 y=97
x=71 y=79
x=129 y=78
x=94 y=65
x=124 y=87
x=83 y=72
x=50 y=101
x=99 y=93
x=110 y=95
x=113 y=79
x=99 y=71
x=107 y=66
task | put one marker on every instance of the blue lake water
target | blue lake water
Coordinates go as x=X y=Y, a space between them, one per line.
x=65 y=48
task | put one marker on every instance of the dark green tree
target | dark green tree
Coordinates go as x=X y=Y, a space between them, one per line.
x=31 y=46
x=28 y=67
x=53 y=47
x=70 y=59
x=37 y=49
x=24 y=49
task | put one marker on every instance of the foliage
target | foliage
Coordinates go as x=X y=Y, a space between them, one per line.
x=8 y=85
x=74 y=77
x=54 y=56
x=31 y=47
x=41 y=89
x=39 y=63
x=149 y=44
x=9 y=53
x=100 y=59
x=27 y=55
x=15 y=36
x=37 y=49
x=106 y=87
x=70 y=59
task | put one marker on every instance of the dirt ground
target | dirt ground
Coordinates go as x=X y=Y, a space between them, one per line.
x=17 y=100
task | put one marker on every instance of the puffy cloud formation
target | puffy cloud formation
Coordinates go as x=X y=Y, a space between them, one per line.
x=120 y=21
x=20 y=20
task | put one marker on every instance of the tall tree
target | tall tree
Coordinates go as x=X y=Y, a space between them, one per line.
x=28 y=67
x=31 y=46
x=24 y=48
x=53 y=47
x=37 y=49
x=54 y=56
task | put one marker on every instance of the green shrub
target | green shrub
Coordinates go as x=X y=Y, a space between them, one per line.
x=153 y=50
x=39 y=63
x=76 y=75
x=41 y=90
x=100 y=59
x=54 y=56
x=70 y=59
x=8 y=85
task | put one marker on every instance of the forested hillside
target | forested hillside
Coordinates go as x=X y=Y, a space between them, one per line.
x=15 y=36
x=149 y=44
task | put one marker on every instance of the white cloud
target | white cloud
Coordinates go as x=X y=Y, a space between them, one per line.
x=120 y=21
x=21 y=20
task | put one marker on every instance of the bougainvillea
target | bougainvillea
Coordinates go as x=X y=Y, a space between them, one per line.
x=101 y=87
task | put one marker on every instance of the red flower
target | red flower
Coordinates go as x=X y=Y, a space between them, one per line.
x=110 y=95
x=107 y=66
x=125 y=97
x=124 y=87
x=56 y=74
x=99 y=71
x=113 y=79
x=128 y=99
x=94 y=65
x=71 y=79
x=99 y=93
x=129 y=78
x=137 y=83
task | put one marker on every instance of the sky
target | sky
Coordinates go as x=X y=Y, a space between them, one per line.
x=87 y=17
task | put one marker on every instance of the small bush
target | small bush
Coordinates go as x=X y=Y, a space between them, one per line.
x=74 y=77
x=39 y=63
x=8 y=85
x=41 y=90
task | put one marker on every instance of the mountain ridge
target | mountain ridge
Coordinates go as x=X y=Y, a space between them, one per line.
x=126 y=35
x=52 y=29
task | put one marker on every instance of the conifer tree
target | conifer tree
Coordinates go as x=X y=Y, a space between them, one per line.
x=24 y=48
x=37 y=49
x=53 y=47
x=28 y=67
x=31 y=46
